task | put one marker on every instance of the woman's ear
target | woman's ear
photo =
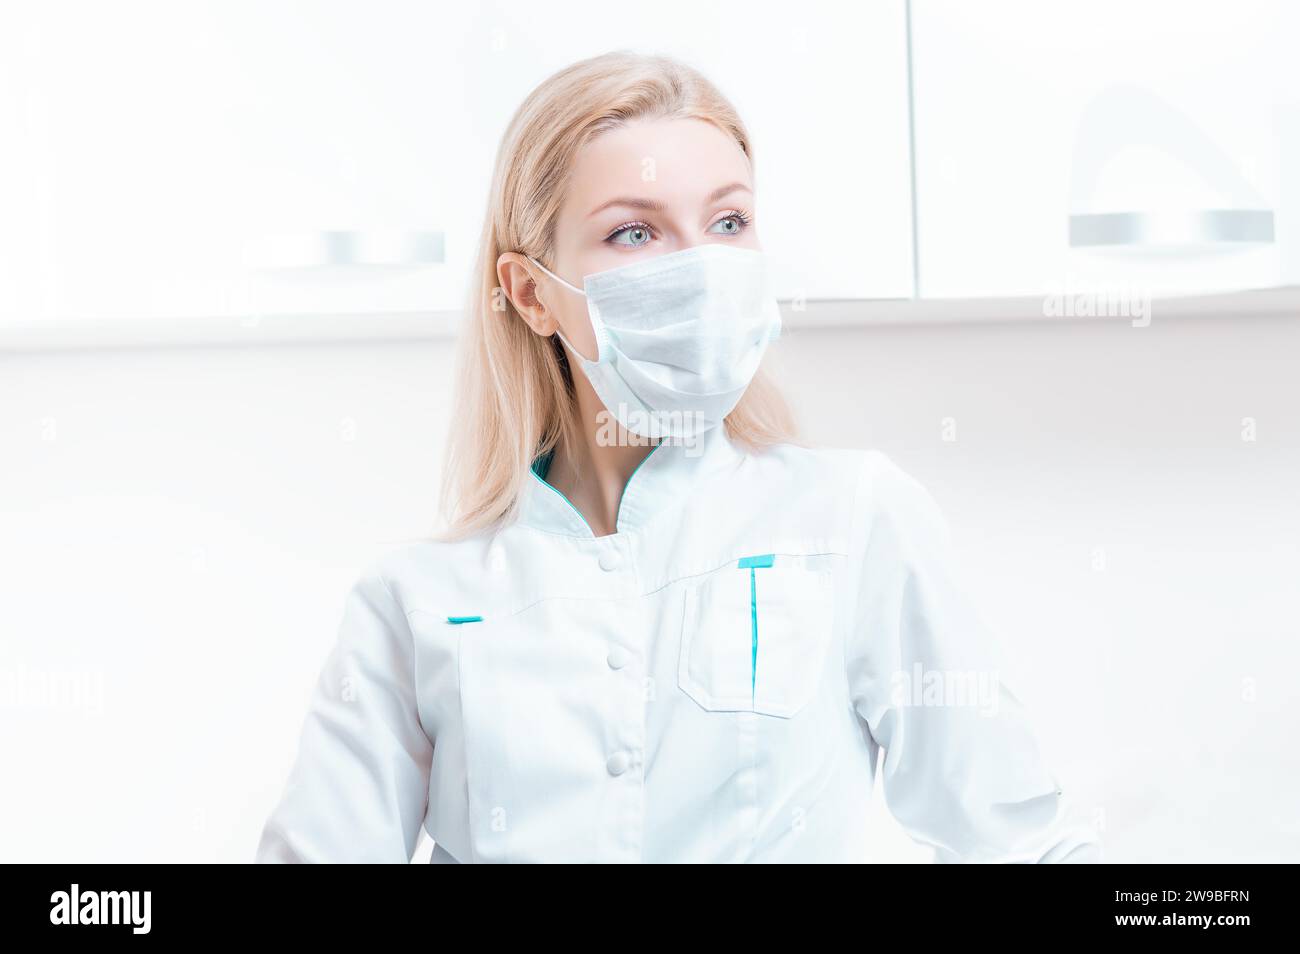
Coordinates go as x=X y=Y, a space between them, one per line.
x=518 y=284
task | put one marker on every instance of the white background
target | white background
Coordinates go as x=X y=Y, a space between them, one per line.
x=179 y=526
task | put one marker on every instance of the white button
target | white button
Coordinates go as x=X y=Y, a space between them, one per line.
x=610 y=560
x=617 y=658
x=617 y=763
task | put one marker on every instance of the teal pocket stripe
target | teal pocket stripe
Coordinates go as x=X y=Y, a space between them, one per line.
x=751 y=563
x=464 y=619
x=753 y=629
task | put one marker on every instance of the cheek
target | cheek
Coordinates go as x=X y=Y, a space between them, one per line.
x=575 y=323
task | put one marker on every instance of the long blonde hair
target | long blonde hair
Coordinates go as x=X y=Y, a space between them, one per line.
x=514 y=392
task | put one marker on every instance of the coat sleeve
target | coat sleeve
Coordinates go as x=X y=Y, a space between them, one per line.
x=358 y=787
x=962 y=770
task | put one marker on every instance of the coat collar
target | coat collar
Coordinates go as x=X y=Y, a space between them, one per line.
x=661 y=482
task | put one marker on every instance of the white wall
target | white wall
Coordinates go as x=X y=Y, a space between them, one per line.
x=1074 y=437
x=178 y=528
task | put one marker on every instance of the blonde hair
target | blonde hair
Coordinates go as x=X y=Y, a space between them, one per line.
x=514 y=394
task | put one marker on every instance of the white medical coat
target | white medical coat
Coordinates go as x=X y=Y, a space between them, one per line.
x=712 y=682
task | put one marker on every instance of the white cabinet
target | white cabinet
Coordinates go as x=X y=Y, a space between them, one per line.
x=161 y=159
x=821 y=86
x=158 y=154
x=177 y=161
x=1088 y=144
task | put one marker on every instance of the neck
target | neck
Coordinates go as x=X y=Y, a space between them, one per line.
x=594 y=474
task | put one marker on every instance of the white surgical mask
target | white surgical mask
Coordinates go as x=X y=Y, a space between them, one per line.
x=678 y=336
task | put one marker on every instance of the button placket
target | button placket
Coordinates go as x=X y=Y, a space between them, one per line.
x=626 y=717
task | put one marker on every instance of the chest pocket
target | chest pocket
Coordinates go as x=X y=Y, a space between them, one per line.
x=754 y=637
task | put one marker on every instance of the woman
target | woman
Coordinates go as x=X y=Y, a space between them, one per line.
x=658 y=629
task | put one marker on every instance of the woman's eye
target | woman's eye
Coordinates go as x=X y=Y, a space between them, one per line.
x=632 y=235
x=729 y=225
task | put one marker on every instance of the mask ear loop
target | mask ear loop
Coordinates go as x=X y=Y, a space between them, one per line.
x=556 y=277
x=597 y=327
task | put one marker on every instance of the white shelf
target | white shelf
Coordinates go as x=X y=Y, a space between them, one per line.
x=1281 y=302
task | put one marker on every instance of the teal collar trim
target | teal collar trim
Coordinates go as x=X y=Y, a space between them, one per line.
x=542 y=466
x=574 y=512
x=542 y=463
x=663 y=481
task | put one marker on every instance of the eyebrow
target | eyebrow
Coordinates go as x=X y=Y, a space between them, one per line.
x=650 y=205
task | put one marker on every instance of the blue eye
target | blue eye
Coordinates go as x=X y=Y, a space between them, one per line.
x=637 y=233
x=733 y=223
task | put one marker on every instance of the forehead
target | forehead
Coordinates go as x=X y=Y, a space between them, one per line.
x=673 y=160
